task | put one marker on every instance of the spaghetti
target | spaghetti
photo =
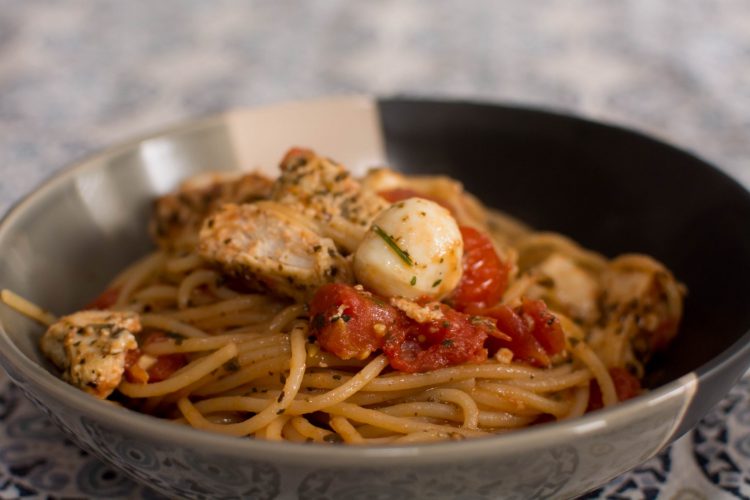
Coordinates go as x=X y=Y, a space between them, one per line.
x=240 y=332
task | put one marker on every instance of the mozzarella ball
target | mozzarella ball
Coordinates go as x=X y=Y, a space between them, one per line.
x=413 y=249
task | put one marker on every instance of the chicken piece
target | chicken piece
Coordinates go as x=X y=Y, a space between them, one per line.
x=642 y=309
x=573 y=289
x=177 y=217
x=642 y=288
x=325 y=192
x=467 y=210
x=271 y=247
x=90 y=348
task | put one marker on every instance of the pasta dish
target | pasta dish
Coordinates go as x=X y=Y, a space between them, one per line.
x=387 y=309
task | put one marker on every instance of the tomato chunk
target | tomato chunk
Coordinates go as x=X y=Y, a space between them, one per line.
x=524 y=345
x=350 y=323
x=165 y=366
x=627 y=386
x=132 y=357
x=294 y=154
x=663 y=334
x=485 y=275
x=400 y=194
x=162 y=369
x=453 y=340
x=134 y=373
x=535 y=332
x=547 y=329
x=105 y=300
x=353 y=324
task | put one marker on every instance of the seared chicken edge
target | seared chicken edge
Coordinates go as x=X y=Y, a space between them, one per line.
x=90 y=347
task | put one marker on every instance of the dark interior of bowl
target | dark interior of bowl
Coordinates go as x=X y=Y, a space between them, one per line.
x=612 y=190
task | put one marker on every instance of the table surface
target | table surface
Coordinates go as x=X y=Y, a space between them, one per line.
x=78 y=76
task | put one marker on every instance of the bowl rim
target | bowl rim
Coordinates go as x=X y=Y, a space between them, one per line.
x=349 y=456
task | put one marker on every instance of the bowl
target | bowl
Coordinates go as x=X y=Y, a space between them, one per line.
x=611 y=189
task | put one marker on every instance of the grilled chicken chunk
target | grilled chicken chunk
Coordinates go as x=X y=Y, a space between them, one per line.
x=643 y=291
x=325 y=192
x=642 y=307
x=272 y=247
x=177 y=217
x=575 y=290
x=90 y=348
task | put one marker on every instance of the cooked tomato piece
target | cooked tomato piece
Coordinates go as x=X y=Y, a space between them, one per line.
x=400 y=194
x=350 y=323
x=151 y=337
x=353 y=324
x=132 y=357
x=547 y=329
x=294 y=153
x=485 y=275
x=627 y=386
x=535 y=332
x=105 y=300
x=134 y=373
x=456 y=339
x=663 y=334
x=165 y=366
x=524 y=345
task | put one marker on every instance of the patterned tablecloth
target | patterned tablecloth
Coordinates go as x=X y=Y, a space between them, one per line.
x=77 y=76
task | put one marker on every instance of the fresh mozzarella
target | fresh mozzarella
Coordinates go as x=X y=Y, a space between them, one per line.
x=413 y=250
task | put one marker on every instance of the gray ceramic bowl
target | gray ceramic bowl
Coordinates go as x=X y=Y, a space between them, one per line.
x=611 y=189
